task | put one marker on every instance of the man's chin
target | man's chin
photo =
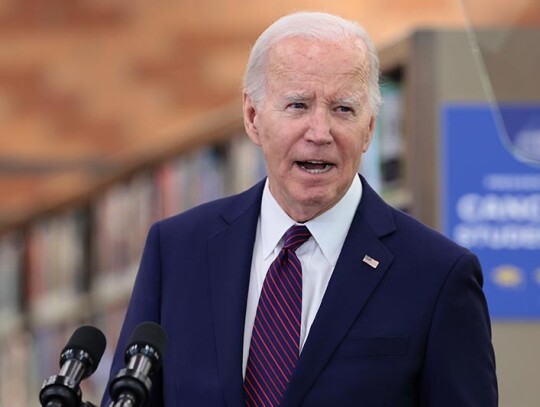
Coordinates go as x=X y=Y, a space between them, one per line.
x=310 y=205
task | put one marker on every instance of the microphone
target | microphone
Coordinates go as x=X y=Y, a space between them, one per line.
x=143 y=356
x=78 y=360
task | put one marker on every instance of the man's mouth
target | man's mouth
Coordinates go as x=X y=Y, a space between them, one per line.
x=315 y=167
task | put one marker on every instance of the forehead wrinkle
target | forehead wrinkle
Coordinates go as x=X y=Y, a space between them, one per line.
x=280 y=66
x=277 y=68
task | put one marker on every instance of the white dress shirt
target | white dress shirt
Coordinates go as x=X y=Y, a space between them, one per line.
x=318 y=255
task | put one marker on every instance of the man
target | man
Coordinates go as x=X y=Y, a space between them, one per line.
x=360 y=305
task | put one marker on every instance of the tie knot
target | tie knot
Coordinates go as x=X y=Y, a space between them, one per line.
x=295 y=237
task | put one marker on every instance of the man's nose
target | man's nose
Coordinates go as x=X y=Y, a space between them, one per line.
x=319 y=130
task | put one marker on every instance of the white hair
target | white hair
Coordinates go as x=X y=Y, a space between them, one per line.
x=316 y=25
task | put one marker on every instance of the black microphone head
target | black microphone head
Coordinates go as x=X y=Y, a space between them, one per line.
x=85 y=340
x=147 y=335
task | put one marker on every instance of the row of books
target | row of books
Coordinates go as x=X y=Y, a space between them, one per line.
x=11 y=273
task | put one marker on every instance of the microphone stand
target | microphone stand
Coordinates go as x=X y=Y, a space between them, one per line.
x=58 y=391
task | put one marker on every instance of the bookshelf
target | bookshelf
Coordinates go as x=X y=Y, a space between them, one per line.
x=76 y=264
x=56 y=267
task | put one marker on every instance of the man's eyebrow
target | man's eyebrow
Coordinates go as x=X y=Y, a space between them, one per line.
x=350 y=100
x=295 y=96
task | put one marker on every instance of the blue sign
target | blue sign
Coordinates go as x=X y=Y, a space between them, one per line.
x=491 y=199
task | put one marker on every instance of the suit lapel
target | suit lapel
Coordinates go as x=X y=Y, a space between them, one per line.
x=229 y=257
x=350 y=287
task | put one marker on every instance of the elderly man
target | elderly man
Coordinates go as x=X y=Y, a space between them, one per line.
x=307 y=289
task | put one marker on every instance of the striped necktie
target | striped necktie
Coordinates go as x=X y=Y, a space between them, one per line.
x=275 y=341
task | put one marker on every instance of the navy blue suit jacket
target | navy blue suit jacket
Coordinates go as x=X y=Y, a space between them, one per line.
x=413 y=331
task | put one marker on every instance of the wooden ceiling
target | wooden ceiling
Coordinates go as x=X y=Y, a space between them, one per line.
x=88 y=88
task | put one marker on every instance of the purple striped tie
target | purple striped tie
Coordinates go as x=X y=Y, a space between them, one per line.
x=275 y=341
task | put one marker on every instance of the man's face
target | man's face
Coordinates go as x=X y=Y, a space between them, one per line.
x=313 y=124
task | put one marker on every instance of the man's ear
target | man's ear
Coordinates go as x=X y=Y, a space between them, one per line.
x=371 y=130
x=250 y=119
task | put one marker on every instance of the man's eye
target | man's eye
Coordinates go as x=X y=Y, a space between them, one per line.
x=344 y=109
x=298 y=105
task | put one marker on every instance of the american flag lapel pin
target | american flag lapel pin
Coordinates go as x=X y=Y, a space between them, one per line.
x=370 y=261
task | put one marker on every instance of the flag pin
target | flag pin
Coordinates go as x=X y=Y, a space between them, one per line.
x=370 y=261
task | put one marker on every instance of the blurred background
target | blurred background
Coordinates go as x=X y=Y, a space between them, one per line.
x=114 y=114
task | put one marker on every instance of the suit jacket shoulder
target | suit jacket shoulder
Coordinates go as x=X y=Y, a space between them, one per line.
x=404 y=235
x=212 y=217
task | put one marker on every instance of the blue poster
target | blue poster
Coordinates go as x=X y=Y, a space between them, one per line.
x=491 y=199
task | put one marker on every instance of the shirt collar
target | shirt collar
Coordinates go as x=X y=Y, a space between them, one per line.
x=328 y=229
